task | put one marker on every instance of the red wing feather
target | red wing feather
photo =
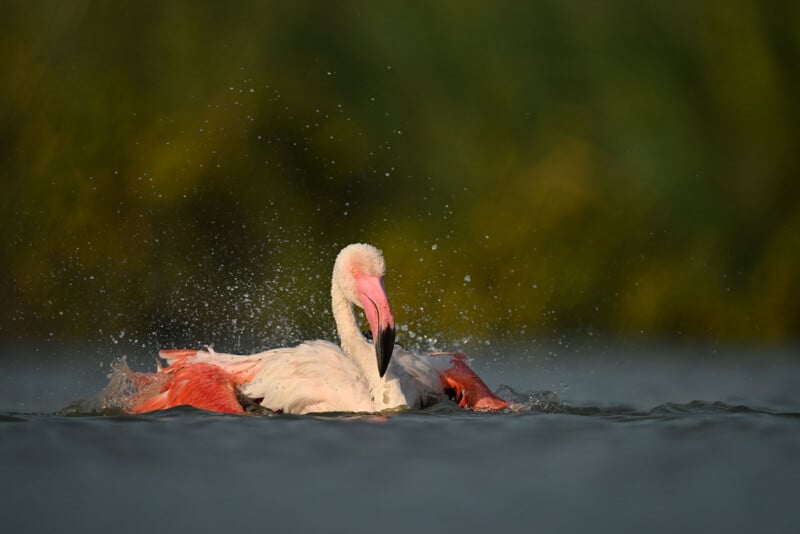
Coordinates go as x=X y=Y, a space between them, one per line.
x=471 y=391
x=202 y=385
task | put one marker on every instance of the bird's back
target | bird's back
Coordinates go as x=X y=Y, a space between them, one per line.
x=313 y=377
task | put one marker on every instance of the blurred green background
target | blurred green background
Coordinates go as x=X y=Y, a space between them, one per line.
x=184 y=172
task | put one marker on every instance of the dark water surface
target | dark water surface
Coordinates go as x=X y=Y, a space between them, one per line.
x=621 y=444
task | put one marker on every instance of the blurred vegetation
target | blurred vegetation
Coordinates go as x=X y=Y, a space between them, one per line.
x=185 y=172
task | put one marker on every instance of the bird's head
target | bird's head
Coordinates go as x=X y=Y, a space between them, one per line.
x=359 y=270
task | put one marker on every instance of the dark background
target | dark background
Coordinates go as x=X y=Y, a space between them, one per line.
x=185 y=172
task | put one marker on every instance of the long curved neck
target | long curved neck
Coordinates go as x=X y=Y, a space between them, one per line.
x=353 y=343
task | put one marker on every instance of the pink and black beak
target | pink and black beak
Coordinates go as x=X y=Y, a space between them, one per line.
x=379 y=315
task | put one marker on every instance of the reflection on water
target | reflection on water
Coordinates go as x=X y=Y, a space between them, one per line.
x=724 y=460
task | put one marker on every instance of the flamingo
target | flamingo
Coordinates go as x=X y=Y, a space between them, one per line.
x=319 y=376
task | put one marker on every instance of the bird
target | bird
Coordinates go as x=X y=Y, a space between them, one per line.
x=359 y=375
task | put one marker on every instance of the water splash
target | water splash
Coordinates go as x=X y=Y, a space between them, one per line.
x=127 y=387
x=540 y=401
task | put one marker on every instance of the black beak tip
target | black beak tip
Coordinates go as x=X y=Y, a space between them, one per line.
x=384 y=346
